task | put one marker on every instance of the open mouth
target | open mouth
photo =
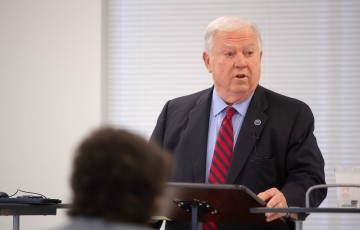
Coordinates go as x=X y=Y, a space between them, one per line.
x=240 y=75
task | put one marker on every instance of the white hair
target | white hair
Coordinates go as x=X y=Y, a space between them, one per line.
x=228 y=24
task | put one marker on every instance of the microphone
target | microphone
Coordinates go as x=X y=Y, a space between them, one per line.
x=256 y=137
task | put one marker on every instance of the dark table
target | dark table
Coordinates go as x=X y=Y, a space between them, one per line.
x=17 y=210
x=302 y=212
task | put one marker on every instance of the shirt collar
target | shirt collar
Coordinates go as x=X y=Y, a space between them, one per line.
x=218 y=105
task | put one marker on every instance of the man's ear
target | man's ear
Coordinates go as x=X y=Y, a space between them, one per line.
x=206 y=59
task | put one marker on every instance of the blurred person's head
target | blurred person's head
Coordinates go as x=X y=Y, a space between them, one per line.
x=118 y=176
x=233 y=56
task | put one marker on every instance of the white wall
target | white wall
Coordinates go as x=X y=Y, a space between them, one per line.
x=50 y=95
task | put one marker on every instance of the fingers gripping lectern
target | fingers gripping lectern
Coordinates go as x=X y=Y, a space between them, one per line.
x=200 y=203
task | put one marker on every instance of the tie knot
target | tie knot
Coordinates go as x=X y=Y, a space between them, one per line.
x=230 y=111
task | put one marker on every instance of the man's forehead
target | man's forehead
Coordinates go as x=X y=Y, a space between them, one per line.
x=242 y=35
x=245 y=44
x=237 y=43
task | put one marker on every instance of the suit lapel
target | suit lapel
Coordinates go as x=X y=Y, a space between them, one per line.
x=198 y=129
x=253 y=124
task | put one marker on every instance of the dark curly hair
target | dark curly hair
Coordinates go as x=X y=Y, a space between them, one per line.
x=117 y=176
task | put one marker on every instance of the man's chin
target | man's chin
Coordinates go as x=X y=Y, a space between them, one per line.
x=237 y=96
x=241 y=90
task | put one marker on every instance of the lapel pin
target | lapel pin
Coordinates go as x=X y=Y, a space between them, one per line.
x=257 y=122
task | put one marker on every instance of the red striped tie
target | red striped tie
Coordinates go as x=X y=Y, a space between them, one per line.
x=222 y=155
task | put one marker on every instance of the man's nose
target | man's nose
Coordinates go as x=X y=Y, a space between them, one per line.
x=240 y=61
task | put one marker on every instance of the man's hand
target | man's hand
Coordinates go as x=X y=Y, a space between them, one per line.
x=274 y=199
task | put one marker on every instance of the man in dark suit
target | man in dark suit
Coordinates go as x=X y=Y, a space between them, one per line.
x=275 y=152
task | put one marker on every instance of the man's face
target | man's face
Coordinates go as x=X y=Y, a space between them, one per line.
x=234 y=61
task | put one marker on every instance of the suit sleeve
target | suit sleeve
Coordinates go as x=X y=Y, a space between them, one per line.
x=305 y=163
x=159 y=131
x=158 y=137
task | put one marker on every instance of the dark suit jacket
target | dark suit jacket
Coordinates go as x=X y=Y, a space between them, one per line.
x=287 y=155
